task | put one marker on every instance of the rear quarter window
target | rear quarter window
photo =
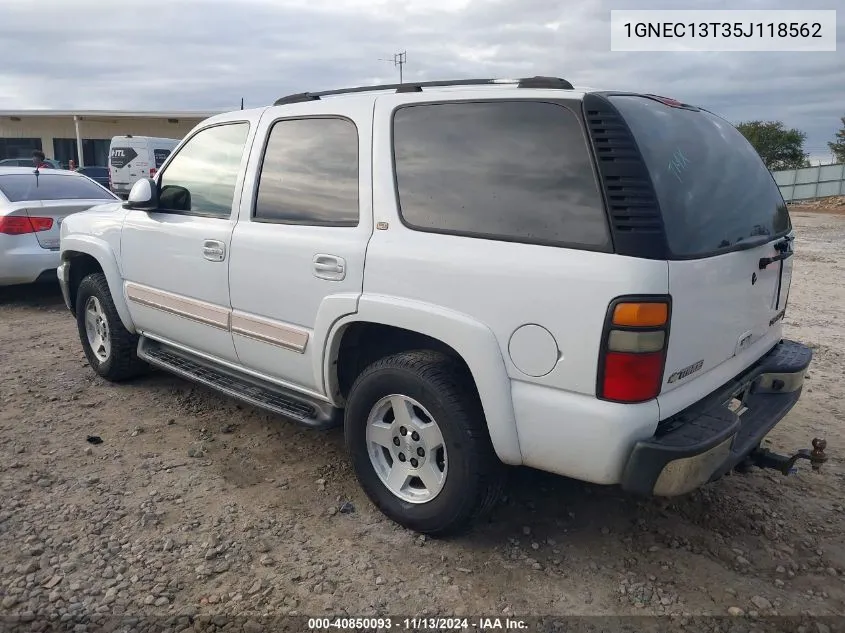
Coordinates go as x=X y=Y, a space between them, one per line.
x=46 y=186
x=510 y=170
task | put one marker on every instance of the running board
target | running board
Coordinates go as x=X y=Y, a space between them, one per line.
x=254 y=391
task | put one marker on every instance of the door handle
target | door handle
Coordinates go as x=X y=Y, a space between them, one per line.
x=330 y=267
x=214 y=250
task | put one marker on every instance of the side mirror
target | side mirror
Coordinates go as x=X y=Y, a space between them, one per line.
x=143 y=196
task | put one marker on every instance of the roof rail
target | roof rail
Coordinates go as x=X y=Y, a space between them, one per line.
x=527 y=82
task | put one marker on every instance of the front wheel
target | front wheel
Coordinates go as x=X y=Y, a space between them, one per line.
x=111 y=349
x=417 y=436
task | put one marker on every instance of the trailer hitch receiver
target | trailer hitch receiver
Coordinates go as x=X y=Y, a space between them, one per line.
x=764 y=458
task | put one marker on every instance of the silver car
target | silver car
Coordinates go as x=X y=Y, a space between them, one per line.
x=32 y=207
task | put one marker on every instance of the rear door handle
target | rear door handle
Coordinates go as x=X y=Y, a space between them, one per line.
x=214 y=250
x=330 y=267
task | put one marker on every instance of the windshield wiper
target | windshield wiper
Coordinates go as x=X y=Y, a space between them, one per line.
x=781 y=247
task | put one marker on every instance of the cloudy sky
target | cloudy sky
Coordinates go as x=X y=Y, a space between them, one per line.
x=207 y=54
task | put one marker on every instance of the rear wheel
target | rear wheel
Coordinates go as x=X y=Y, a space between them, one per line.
x=419 y=445
x=110 y=348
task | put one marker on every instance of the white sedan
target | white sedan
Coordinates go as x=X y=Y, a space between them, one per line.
x=32 y=207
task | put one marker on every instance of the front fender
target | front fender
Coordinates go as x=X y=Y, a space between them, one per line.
x=101 y=251
x=474 y=341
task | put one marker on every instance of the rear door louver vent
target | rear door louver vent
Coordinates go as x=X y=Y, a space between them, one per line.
x=635 y=217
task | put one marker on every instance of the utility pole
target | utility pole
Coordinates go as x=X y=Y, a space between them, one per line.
x=399 y=59
x=242 y=103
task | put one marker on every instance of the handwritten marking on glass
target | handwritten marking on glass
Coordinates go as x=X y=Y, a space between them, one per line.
x=678 y=164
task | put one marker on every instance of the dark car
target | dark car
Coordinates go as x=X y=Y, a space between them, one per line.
x=97 y=174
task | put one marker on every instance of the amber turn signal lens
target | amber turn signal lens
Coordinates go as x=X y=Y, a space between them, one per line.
x=641 y=314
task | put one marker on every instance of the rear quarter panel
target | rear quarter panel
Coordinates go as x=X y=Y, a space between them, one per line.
x=503 y=285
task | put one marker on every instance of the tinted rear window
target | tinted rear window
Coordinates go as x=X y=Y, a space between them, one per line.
x=715 y=193
x=25 y=187
x=511 y=170
x=160 y=155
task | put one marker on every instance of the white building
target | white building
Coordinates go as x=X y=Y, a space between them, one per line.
x=73 y=134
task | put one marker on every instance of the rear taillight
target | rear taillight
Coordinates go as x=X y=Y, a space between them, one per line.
x=21 y=224
x=152 y=172
x=633 y=350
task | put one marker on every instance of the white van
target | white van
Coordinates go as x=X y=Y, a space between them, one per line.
x=135 y=157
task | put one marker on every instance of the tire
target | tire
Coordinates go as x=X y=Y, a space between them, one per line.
x=117 y=359
x=472 y=476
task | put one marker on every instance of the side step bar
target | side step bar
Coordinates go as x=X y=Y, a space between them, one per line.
x=260 y=393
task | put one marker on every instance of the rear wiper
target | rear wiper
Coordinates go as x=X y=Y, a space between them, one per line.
x=742 y=246
x=781 y=247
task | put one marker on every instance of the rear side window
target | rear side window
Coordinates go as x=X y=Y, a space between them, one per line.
x=715 y=193
x=309 y=174
x=511 y=170
x=46 y=186
x=160 y=155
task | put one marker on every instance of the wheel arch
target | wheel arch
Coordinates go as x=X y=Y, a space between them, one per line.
x=84 y=255
x=407 y=325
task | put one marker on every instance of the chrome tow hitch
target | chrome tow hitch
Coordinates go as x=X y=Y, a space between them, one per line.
x=764 y=458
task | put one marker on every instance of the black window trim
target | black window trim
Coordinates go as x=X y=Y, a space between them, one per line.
x=174 y=153
x=607 y=247
x=266 y=142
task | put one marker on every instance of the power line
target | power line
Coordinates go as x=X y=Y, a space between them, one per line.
x=399 y=59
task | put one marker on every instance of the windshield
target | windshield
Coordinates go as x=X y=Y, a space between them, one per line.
x=715 y=193
x=45 y=186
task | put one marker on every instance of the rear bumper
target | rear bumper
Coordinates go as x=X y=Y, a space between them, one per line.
x=23 y=260
x=708 y=439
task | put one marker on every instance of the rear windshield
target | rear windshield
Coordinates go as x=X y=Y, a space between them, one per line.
x=25 y=187
x=715 y=193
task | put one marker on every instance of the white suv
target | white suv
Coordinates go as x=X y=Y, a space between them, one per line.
x=466 y=274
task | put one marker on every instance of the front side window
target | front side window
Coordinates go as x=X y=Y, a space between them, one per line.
x=201 y=178
x=512 y=170
x=309 y=175
x=50 y=186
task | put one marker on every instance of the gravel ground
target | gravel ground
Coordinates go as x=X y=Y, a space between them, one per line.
x=194 y=504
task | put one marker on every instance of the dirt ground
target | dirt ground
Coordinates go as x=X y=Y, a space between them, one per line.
x=196 y=504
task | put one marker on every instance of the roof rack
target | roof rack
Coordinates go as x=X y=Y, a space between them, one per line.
x=527 y=82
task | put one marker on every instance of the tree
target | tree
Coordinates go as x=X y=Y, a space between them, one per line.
x=780 y=148
x=838 y=146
